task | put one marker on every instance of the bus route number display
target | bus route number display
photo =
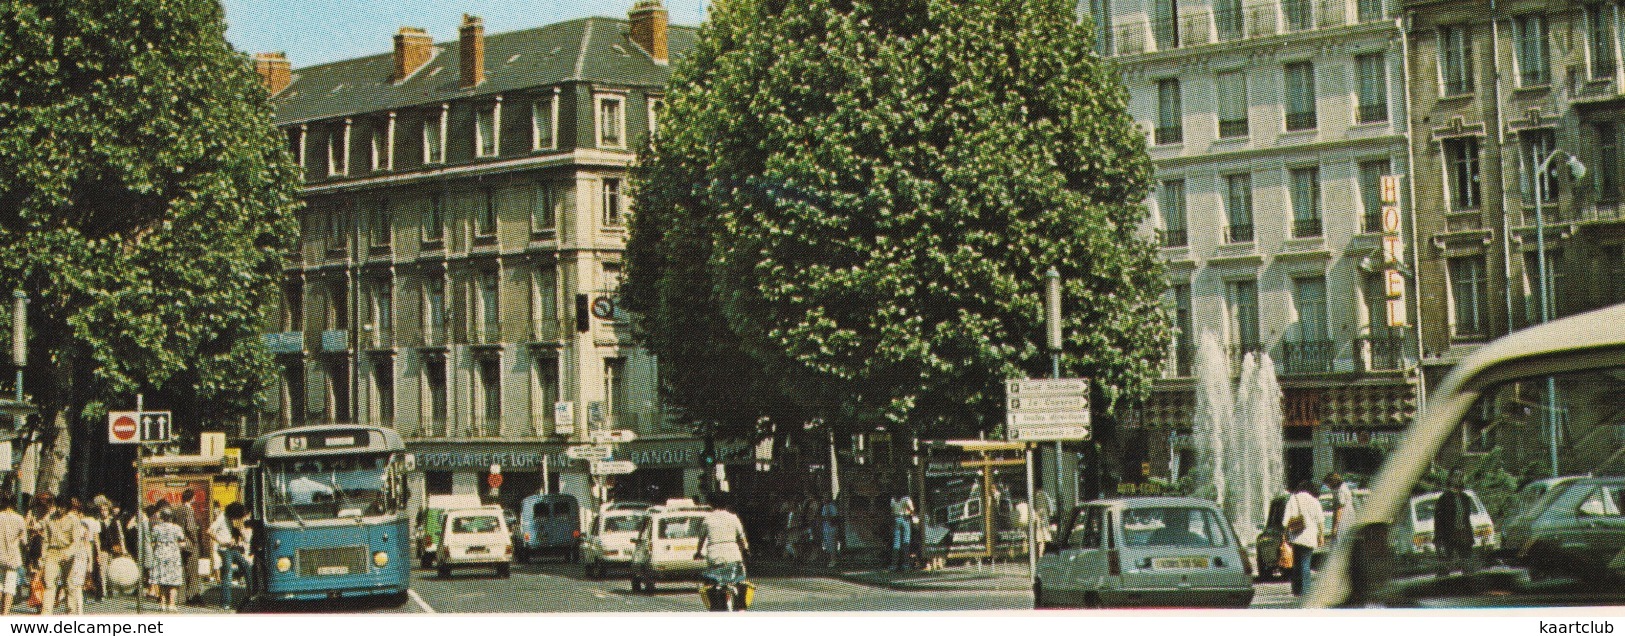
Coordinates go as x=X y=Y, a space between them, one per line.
x=324 y=440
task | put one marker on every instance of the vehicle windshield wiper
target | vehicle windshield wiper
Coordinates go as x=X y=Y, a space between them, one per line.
x=292 y=511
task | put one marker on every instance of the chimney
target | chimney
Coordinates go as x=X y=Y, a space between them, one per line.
x=275 y=71
x=413 y=48
x=471 y=37
x=648 y=19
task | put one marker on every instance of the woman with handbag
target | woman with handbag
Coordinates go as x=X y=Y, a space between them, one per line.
x=1304 y=521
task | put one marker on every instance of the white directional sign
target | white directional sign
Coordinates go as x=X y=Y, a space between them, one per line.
x=589 y=453
x=1057 y=386
x=611 y=468
x=620 y=436
x=1047 y=410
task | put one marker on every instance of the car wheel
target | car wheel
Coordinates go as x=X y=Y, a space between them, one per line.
x=502 y=570
x=445 y=572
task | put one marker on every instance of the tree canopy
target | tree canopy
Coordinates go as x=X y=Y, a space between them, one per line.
x=851 y=205
x=145 y=206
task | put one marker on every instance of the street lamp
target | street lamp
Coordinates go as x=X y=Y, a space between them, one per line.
x=1577 y=171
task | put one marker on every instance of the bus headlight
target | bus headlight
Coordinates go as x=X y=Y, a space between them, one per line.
x=380 y=559
x=284 y=564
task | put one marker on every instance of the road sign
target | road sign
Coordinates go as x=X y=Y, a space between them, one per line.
x=564 y=418
x=494 y=480
x=620 y=436
x=121 y=428
x=1048 y=433
x=1047 y=410
x=1057 y=418
x=589 y=453
x=1035 y=388
x=1048 y=403
x=611 y=467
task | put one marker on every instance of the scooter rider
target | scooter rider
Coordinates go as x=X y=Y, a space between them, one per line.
x=723 y=546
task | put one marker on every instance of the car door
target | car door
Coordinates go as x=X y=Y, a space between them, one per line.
x=1599 y=535
x=1086 y=558
x=1052 y=566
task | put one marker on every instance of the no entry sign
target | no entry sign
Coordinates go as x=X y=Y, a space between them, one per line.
x=121 y=427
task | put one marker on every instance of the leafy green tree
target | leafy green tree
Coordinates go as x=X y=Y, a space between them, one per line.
x=145 y=204
x=851 y=209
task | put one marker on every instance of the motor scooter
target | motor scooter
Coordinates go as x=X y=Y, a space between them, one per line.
x=724 y=589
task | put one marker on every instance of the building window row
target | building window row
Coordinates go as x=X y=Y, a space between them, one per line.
x=1171 y=24
x=1306 y=345
x=1301 y=108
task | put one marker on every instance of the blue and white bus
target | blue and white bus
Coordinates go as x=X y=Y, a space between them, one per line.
x=330 y=506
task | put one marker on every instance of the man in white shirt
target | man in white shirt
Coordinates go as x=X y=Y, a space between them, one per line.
x=230 y=535
x=723 y=546
x=1342 y=504
x=903 y=518
x=13 y=532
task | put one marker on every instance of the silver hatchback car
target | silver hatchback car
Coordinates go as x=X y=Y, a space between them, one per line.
x=1145 y=552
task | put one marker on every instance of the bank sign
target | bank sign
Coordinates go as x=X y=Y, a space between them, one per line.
x=656 y=454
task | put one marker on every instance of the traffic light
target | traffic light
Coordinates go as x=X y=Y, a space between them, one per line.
x=583 y=314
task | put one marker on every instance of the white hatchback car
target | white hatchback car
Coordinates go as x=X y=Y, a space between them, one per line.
x=475 y=537
x=666 y=542
x=612 y=538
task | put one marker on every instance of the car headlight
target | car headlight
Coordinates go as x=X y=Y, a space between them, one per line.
x=380 y=558
x=283 y=564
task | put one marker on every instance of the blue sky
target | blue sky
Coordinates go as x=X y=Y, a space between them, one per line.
x=317 y=31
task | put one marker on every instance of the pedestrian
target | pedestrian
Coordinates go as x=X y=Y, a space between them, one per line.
x=84 y=557
x=13 y=534
x=1044 y=507
x=1342 y=504
x=830 y=516
x=811 y=529
x=140 y=527
x=902 y=534
x=186 y=518
x=168 y=550
x=1453 y=527
x=60 y=535
x=230 y=535
x=1304 y=523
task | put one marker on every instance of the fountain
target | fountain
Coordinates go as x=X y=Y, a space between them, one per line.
x=1239 y=450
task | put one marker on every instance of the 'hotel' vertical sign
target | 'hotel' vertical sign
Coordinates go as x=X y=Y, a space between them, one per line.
x=1393 y=251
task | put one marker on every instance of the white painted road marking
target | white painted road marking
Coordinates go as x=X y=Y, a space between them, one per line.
x=419 y=600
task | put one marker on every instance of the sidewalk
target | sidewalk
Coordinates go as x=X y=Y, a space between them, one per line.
x=207 y=603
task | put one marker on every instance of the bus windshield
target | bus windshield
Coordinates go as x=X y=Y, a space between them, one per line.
x=316 y=488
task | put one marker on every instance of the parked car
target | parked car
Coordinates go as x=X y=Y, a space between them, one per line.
x=430 y=519
x=665 y=545
x=1579 y=527
x=475 y=537
x=610 y=539
x=1528 y=501
x=1145 y=552
x=549 y=525
x=1503 y=397
x=1414 y=532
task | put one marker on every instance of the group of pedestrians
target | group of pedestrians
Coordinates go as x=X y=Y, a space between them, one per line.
x=813 y=530
x=1306 y=522
x=61 y=550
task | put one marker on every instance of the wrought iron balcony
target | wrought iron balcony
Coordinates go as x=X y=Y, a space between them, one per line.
x=1240 y=233
x=1303 y=228
x=1300 y=121
x=1238 y=353
x=1373 y=113
x=1384 y=349
x=1298 y=14
x=1233 y=127
x=1308 y=356
x=1229 y=23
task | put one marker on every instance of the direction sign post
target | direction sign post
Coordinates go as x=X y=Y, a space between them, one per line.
x=589 y=453
x=1047 y=410
x=618 y=436
x=611 y=467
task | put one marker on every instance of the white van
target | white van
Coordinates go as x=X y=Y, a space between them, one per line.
x=431 y=520
x=667 y=540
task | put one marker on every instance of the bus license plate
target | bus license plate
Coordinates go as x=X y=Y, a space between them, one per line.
x=332 y=569
x=1179 y=563
x=476 y=549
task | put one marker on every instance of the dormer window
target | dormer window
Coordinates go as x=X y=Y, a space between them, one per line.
x=335 y=153
x=485 y=131
x=611 y=121
x=544 y=116
x=434 y=138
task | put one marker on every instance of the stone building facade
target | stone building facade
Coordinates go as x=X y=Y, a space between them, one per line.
x=461 y=246
x=1270 y=124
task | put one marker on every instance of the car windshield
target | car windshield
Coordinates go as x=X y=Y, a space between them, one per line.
x=621 y=523
x=680 y=527
x=1566 y=545
x=1173 y=526
x=461 y=525
x=315 y=488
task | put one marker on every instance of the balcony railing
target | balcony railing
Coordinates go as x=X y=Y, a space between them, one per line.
x=1300 y=121
x=285 y=342
x=1240 y=233
x=1308 y=356
x=1238 y=354
x=1371 y=10
x=1172 y=238
x=1371 y=222
x=1170 y=134
x=1373 y=113
x=1384 y=349
x=1233 y=127
x=1332 y=13
x=1305 y=228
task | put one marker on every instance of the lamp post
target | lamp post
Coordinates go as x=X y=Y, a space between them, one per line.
x=1577 y=170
